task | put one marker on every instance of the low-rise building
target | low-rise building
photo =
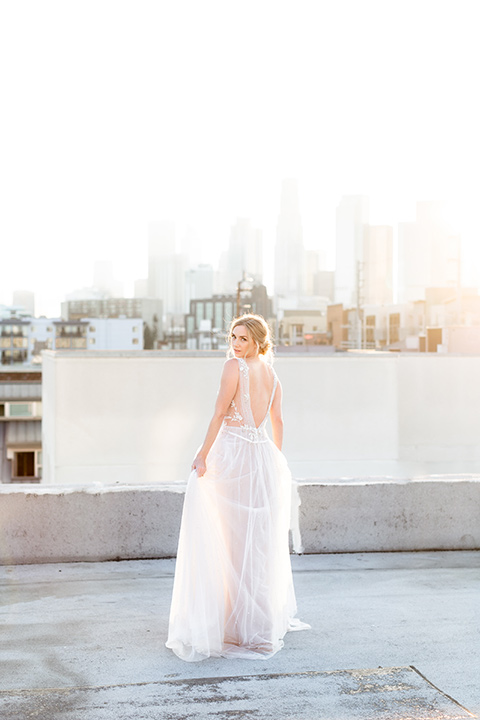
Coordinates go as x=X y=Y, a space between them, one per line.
x=149 y=310
x=99 y=334
x=422 y=325
x=20 y=426
x=207 y=323
x=22 y=339
x=302 y=327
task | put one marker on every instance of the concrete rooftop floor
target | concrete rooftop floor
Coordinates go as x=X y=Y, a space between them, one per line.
x=85 y=641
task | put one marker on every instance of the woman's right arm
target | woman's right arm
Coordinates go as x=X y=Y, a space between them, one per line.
x=228 y=387
x=276 y=417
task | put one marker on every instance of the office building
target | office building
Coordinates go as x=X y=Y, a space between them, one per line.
x=352 y=214
x=244 y=256
x=166 y=268
x=429 y=253
x=20 y=425
x=290 y=270
x=24 y=300
x=199 y=282
x=377 y=265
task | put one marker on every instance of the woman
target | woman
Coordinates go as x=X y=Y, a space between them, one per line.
x=233 y=592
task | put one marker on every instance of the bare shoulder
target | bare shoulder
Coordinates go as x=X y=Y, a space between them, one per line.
x=230 y=369
x=231 y=366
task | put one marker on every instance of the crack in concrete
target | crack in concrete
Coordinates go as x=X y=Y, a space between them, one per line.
x=384 y=692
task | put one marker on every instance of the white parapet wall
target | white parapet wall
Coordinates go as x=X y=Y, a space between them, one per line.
x=54 y=524
x=138 y=418
x=58 y=524
x=391 y=516
x=120 y=430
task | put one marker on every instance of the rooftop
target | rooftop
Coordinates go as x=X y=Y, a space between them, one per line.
x=394 y=635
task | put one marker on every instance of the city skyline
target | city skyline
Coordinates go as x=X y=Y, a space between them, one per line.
x=178 y=248
x=197 y=112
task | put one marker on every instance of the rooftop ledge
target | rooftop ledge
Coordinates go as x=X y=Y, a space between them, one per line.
x=281 y=353
x=42 y=524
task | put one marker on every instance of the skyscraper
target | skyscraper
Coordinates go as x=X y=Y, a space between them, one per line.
x=352 y=215
x=166 y=268
x=243 y=257
x=377 y=265
x=199 y=282
x=105 y=281
x=289 y=249
x=429 y=253
x=24 y=299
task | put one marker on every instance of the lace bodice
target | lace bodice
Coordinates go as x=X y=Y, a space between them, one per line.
x=244 y=415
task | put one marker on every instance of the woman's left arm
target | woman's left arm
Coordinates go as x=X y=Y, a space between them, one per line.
x=228 y=386
x=276 y=418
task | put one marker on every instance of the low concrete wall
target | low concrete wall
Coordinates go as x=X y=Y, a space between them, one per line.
x=427 y=514
x=76 y=524
x=72 y=524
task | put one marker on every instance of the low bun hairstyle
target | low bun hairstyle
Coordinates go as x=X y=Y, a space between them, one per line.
x=259 y=330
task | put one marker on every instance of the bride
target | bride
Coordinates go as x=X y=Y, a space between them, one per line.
x=233 y=591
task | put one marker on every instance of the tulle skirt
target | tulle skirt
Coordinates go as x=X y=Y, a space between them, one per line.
x=233 y=592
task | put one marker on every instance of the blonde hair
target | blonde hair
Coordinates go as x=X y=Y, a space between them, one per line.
x=259 y=331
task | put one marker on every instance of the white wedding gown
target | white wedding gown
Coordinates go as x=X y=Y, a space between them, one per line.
x=233 y=592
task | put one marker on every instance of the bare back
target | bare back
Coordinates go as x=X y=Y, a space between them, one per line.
x=257 y=392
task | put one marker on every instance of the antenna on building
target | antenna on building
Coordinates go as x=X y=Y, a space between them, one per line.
x=244 y=294
x=360 y=286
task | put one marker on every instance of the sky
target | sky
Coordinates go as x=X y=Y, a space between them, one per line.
x=117 y=113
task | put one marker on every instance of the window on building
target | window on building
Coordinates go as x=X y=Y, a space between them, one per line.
x=218 y=322
x=190 y=324
x=134 y=341
x=394 y=327
x=24 y=464
x=209 y=310
x=198 y=313
x=228 y=316
x=10 y=357
x=2 y=409
x=92 y=328
x=297 y=332
x=135 y=328
x=92 y=341
x=20 y=409
x=370 y=330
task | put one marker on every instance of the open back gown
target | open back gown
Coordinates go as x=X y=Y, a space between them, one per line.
x=233 y=592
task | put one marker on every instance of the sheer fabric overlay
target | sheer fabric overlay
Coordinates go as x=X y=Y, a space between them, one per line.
x=233 y=592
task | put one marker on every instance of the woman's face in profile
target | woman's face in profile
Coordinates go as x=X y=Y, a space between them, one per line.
x=242 y=343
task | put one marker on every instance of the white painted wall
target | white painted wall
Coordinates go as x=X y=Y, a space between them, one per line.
x=124 y=417
x=116 y=418
x=115 y=333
